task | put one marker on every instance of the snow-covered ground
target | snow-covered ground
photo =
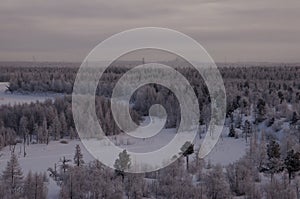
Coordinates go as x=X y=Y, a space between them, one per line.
x=41 y=156
x=18 y=98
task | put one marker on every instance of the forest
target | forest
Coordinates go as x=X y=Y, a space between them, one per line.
x=262 y=112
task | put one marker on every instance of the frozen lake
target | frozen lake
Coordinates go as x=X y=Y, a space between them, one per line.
x=18 y=98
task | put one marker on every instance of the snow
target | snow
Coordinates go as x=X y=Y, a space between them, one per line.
x=41 y=156
x=227 y=150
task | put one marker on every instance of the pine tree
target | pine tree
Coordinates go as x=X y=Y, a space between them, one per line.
x=273 y=164
x=13 y=177
x=78 y=157
x=122 y=163
x=186 y=150
x=292 y=163
x=273 y=150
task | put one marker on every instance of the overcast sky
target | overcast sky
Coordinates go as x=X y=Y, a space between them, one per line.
x=230 y=30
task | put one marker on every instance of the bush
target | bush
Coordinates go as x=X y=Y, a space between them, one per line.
x=64 y=142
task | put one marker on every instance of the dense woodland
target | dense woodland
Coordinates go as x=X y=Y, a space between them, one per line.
x=260 y=101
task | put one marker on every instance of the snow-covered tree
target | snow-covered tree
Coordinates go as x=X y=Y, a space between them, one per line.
x=278 y=189
x=63 y=123
x=45 y=132
x=74 y=184
x=274 y=163
x=216 y=184
x=134 y=186
x=23 y=130
x=242 y=176
x=247 y=131
x=13 y=177
x=174 y=182
x=260 y=110
x=56 y=128
x=102 y=183
x=34 y=186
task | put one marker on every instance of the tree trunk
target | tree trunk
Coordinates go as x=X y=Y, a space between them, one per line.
x=24 y=146
x=187 y=162
x=272 y=177
x=36 y=187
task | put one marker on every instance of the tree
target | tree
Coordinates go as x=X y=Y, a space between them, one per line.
x=56 y=128
x=173 y=182
x=90 y=181
x=273 y=150
x=73 y=184
x=247 y=129
x=102 y=183
x=45 y=132
x=122 y=163
x=64 y=164
x=186 y=150
x=78 y=157
x=232 y=132
x=292 y=163
x=34 y=186
x=294 y=118
x=261 y=110
x=64 y=126
x=23 y=130
x=133 y=186
x=273 y=164
x=216 y=184
x=13 y=177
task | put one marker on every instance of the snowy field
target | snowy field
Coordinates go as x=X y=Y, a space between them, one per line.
x=17 y=98
x=40 y=156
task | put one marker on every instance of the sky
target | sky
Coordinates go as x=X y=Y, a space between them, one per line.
x=230 y=30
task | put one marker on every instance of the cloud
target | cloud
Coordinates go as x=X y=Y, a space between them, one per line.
x=68 y=29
